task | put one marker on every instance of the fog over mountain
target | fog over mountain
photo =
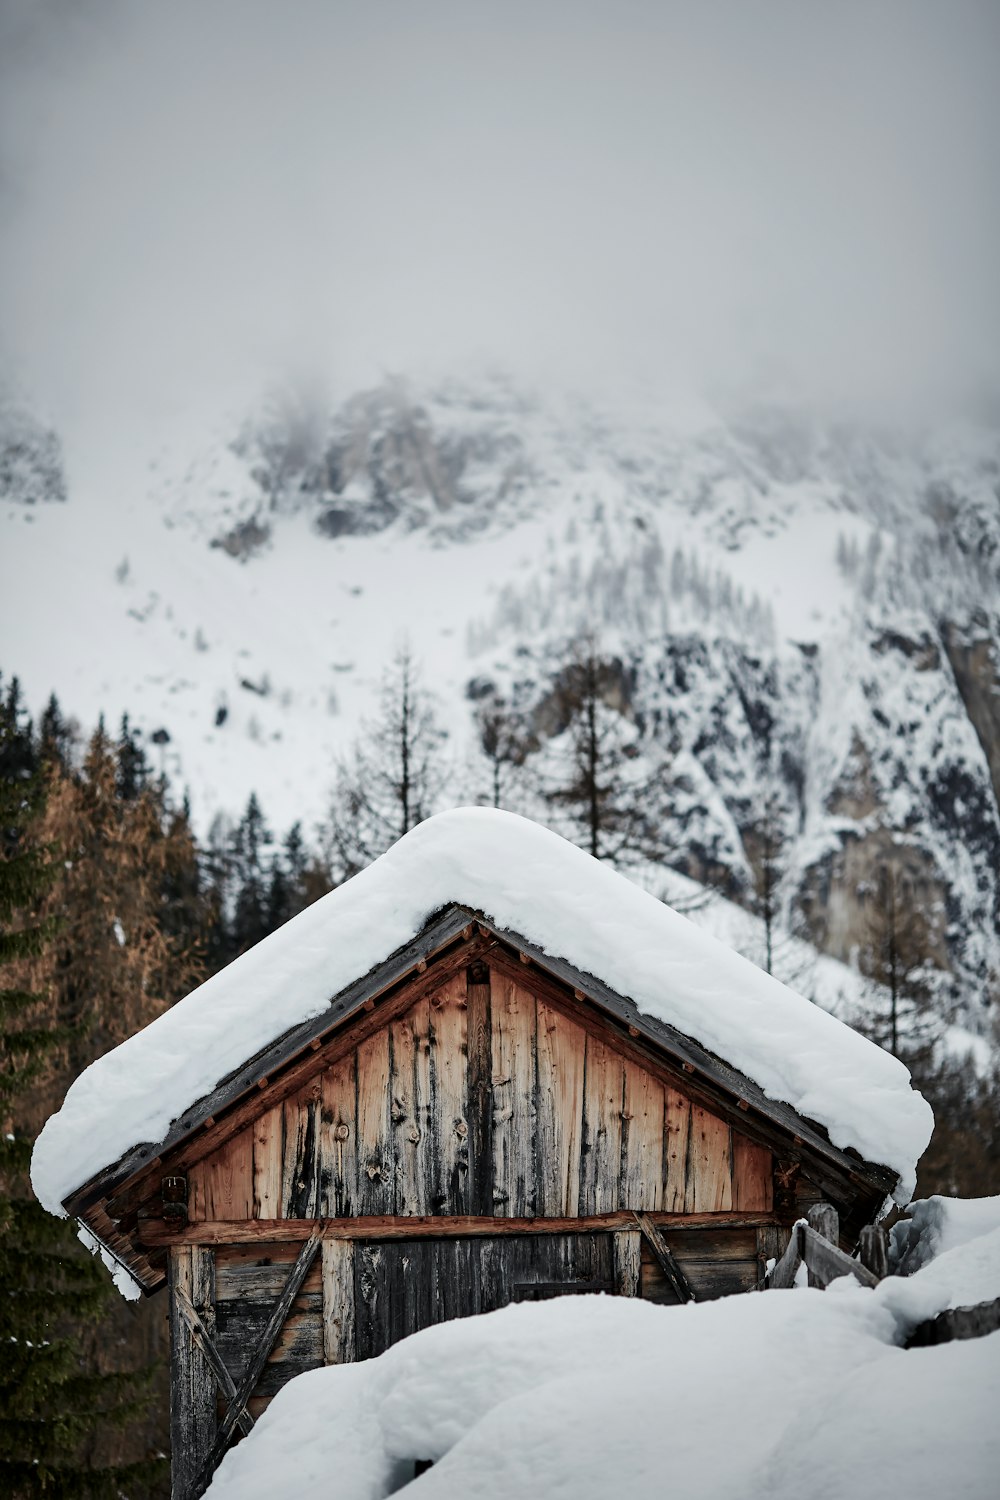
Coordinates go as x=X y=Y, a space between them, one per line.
x=492 y=327
x=199 y=198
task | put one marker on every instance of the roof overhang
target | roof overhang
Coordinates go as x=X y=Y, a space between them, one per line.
x=444 y=943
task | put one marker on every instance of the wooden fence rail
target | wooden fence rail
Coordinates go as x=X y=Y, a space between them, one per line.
x=814 y=1245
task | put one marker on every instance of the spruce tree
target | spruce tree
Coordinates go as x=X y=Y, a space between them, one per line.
x=394 y=777
x=49 y=1401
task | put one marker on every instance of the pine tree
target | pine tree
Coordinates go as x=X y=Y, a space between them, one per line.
x=897 y=957
x=393 y=778
x=250 y=867
x=49 y=1401
x=596 y=781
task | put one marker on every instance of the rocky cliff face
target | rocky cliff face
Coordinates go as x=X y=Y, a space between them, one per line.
x=798 y=624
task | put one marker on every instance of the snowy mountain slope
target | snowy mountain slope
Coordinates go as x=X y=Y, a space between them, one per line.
x=788 y=610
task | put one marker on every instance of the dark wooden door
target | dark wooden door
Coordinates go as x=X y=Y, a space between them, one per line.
x=401 y=1286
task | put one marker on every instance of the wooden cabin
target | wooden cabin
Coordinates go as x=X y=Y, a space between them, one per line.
x=472 y=1122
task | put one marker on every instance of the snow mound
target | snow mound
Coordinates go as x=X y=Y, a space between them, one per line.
x=947 y=1254
x=589 y=1397
x=938 y=1224
x=531 y=882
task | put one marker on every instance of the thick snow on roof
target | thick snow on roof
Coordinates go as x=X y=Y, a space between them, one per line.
x=534 y=883
x=587 y=1397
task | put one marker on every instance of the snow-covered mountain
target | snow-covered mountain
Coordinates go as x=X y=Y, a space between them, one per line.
x=790 y=613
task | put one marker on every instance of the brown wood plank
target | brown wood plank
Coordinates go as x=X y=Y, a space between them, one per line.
x=376 y=1175
x=339 y=1139
x=338 y=1301
x=192 y=1381
x=603 y=1103
x=514 y=1123
x=676 y=1143
x=642 y=1140
x=710 y=1174
x=449 y=1097
x=257 y=1232
x=753 y=1180
x=561 y=1051
x=237 y=1101
x=268 y=1144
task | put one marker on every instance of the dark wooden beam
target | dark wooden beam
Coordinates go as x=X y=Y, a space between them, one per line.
x=386 y=1227
x=676 y=1280
x=206 y=1344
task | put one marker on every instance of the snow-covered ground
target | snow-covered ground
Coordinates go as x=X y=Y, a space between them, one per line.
x=768 y=1397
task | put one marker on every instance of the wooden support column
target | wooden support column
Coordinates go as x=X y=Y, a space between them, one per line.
x=338 y=1302
x=192 y=1380
x=628 y=1261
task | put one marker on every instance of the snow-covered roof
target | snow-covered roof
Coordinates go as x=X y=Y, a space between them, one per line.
x=533 y=883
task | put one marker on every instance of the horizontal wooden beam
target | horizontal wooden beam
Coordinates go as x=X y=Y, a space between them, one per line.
x=398 y=1227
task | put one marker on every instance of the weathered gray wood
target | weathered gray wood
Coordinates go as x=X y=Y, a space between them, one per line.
x=826 y=1262
x=783 y=1275
x=338 y=1301
x=205 y=1343
x=480 y=1028
x=824 y=1220
x=666 y=1259
x=256 y=1363
x=192 y=1381
x=957 y=1323
x=873 y=1250
x=772 y=1241
x=628 y=1262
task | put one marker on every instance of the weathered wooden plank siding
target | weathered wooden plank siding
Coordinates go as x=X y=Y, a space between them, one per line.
x=483 y=1099
x=716 y=1263
x=363 y=1296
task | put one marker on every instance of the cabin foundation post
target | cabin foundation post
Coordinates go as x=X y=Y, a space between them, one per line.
x=192 y=1380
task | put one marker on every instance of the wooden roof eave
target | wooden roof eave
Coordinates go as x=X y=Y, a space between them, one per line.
x=452 y=927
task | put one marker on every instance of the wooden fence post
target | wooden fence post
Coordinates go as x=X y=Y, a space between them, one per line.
x=824 y=1219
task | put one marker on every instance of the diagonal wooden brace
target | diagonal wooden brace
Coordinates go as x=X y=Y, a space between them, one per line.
x=258 y=1360
x=203 y=1339
x=678 y=1282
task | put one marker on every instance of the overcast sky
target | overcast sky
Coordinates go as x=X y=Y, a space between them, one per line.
x=708 y=194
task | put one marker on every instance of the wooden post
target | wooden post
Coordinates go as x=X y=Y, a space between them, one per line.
x=824 y=1219
x=338 y=1302
x=872 y=1250
x=628 y=1261
x=192 y=1380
